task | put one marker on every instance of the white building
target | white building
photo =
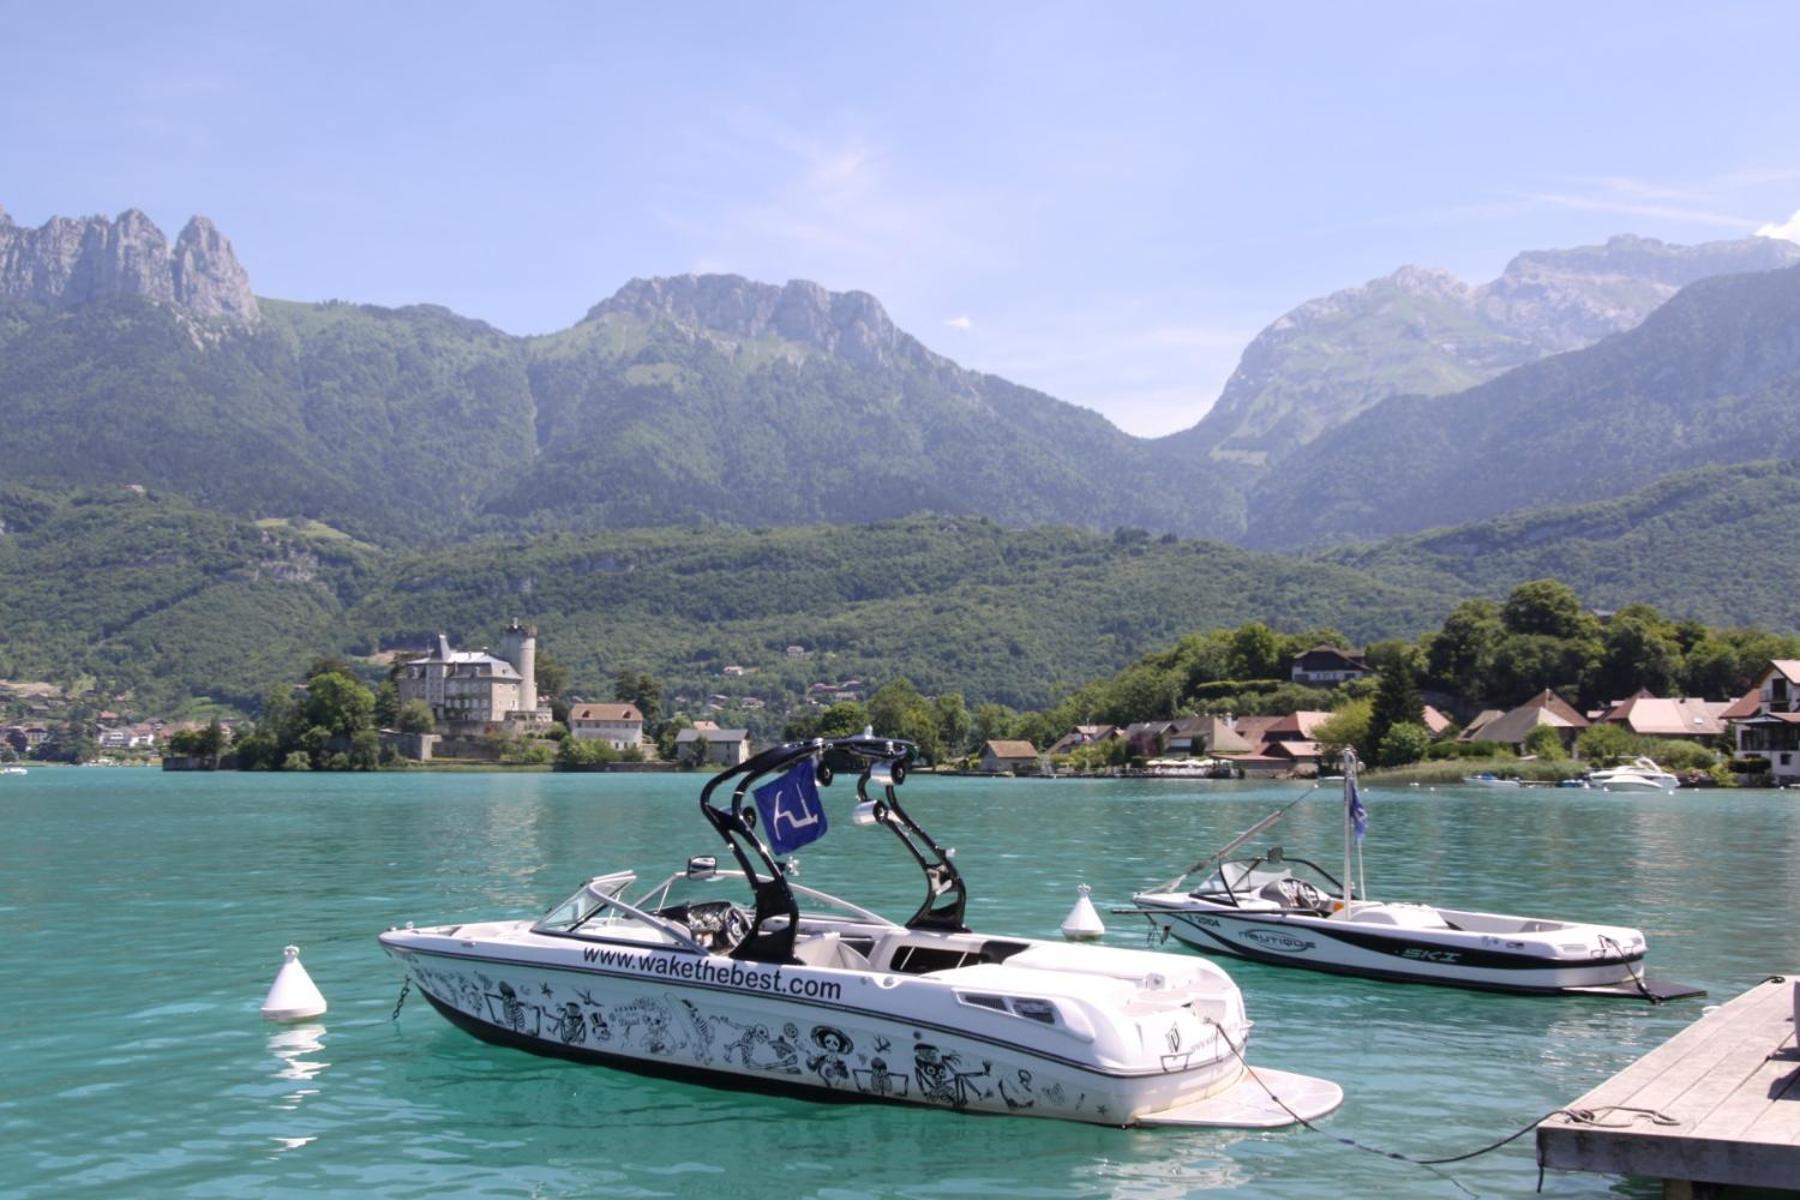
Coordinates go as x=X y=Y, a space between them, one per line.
x=725 y=747
x=1767 y=721
x=620 y=724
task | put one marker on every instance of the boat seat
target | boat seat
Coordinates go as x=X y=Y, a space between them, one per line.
x=828 y=950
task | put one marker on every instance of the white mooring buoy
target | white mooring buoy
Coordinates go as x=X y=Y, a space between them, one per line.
x=293 y=996
x=1083 y=923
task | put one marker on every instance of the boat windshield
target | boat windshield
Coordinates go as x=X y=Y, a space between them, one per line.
x=599 y=911
x=685 y=888
x=1242 y=877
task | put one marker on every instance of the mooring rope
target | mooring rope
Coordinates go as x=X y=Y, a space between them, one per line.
x=1581 y=1116
x=1637 y=976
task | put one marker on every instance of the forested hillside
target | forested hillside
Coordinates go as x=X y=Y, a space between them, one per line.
x=150 y=595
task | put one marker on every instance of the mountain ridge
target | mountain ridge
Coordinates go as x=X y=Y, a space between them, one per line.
x=1423 y=331
x=66 y=262
x=1711 y=377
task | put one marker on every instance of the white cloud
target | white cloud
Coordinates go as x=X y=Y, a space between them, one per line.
x=963 y=322
x=832 y=205
x=1787 y=231
x=1613 y=203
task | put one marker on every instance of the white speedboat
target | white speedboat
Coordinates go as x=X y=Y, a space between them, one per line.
x=12 y=770
x=1639 y=775
x=1489 y=779
x=1292 y=912
x=756 y=991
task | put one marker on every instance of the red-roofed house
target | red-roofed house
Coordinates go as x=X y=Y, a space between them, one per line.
x=1001 y=756
x=1649 y=716
x=620 y=724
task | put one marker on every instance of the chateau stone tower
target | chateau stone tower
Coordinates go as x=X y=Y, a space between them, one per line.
x=518 y=646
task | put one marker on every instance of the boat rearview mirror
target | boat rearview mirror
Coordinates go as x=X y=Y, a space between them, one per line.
x=702 y=866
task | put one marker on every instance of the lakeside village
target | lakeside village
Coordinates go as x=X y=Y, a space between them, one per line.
x=1580 y=688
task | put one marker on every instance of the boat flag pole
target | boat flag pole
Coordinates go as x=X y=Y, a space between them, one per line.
x=1349 y=791
x=1356 y=823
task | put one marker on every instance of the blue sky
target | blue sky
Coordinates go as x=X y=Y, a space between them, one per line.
x=1105 y=202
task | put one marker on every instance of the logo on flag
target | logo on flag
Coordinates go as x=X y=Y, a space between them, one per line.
x=791 y=812
x=1359 y=816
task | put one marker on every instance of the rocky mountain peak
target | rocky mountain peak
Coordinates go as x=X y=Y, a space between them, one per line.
x=66 y=262
x=851 y=325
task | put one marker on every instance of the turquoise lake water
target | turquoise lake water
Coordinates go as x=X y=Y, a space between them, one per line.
x=142 y=917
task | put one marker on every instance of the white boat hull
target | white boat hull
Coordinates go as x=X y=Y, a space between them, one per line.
x=1493 y=962
x=825 y=1031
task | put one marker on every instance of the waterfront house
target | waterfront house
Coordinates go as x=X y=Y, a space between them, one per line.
x=1480 y=721
x=1199 y=736
x=1544 y=709
x=999 y=756
x=1148 y=738
x=1772 y=731
x=1082 y=735
x=1686 y=718
x=621 y=725
x=1284 y=745
x=724 y=747
x=1328 y=666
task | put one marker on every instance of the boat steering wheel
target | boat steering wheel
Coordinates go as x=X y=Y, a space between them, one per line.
x=1300 y=893
x=734 y=928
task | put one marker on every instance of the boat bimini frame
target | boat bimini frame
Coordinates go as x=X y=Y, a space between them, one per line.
x=881 y=762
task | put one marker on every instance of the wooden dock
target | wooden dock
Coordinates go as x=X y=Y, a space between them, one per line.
x=1716 y=1105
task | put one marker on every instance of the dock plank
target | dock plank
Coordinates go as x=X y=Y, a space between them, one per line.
x=1726 y=1081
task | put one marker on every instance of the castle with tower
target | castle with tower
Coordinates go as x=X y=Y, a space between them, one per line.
x=474 y=692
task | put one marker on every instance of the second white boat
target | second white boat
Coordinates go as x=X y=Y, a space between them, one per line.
x=1292 y=912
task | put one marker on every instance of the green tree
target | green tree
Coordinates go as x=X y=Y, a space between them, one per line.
x=1547 y=607
x=365 y=750
x=387 y=704
x=553 y=682
x=1461 y=654
x=339 y=704
x=898 y=710
x=297 y=760
x=1528 y=663
x=642 y=689
x=846 y=718
x=1396 y=702
x=1606 y=744
x=665 y=738
x=1256 y=653
x=1546 y=743
x=1639 y=650
x=953 y=724
x=1404 y=742
x=258 y=751
x=1347 y=726
x=993 y=722
x=415 y=716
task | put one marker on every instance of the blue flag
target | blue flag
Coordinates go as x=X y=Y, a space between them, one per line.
x=791 y=813
x=1359 y=816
